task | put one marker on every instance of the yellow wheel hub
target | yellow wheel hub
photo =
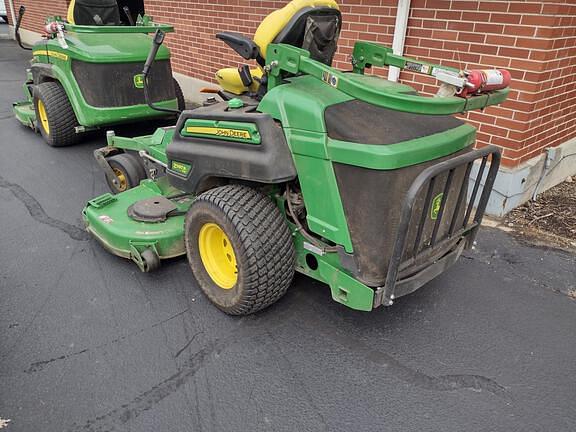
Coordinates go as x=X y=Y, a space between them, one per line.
x=122 y=183
x=217 y=255
x=43 y=117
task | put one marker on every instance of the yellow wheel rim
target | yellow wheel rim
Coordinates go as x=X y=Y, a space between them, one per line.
x=43 y=116
x=218 y=255
x=122 y=183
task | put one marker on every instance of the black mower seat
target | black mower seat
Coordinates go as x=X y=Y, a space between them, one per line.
x=94 y=12
x=313 y=25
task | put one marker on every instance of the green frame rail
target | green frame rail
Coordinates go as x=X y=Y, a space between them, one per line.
x=285 y=58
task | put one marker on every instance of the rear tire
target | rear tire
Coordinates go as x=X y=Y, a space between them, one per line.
x=129 y=170
x=253 y=236
x=179 y=96
x=55 y=117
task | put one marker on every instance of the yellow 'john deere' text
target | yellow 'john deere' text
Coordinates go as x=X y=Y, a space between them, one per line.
x=55 y=54
x=221 y=132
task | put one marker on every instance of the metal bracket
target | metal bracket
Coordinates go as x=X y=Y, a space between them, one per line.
x=144 y=155
x=347 y=260
x=100 y=155
x=135 y=253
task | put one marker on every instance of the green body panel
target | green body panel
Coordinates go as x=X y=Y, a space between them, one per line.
x=105 y=47
x=106 y=218
x=394 y=156
x=148 y=27
x=325 y=214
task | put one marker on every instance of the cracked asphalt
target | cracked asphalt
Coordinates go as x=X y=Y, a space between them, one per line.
x=88 y=343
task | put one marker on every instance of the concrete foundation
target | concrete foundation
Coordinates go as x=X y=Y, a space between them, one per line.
x=515 y=186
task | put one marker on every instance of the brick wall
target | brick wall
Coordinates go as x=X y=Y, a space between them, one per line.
x=536 y=40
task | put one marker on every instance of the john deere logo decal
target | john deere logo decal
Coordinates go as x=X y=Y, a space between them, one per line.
x=435 y=209
x=139 y=81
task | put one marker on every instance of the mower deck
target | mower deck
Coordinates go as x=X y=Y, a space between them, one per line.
x=24 y=112
x=107 y=218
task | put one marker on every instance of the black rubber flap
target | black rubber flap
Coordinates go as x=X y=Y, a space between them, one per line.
x=108 y=85
x=360 y=122
x=373 y=201
x=315 y=29
x=156 y=209
x=96 y=12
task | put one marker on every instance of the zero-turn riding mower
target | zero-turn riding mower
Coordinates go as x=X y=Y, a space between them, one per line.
x=351 y=179
x=86 y=73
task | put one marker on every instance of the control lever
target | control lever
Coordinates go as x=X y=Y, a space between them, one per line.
x=156 y=42
x=245 y=75
x=126 y=10
x=17 y=28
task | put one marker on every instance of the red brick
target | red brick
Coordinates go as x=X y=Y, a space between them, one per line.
x=505 y=18
x=539 y=20
x=525 y=7
x=519 y=30
x=494 y=6
x=488 y=28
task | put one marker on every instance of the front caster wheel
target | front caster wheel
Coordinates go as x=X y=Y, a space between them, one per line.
x=129 y=172
x=239 y=248
x=150 y=260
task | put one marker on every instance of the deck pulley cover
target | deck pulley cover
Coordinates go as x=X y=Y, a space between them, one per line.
x=155 y=209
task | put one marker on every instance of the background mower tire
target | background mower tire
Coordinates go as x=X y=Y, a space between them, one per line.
x=237 y=236
x=55 y=117
x=129 y=170
x=179 y=96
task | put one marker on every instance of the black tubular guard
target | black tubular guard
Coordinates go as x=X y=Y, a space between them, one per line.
x=439 y=253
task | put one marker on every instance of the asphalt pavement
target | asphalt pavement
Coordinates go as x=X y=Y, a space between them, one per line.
x=88 y=343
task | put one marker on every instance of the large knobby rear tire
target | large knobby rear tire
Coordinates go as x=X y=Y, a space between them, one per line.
x=239 y=248
x=55 y=117
x=179 y=96
x=129 y=171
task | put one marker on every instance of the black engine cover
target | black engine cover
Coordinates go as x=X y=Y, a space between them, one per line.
x=269 y=162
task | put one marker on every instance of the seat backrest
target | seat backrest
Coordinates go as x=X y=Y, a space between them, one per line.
x=93 y=12
x=313 y=25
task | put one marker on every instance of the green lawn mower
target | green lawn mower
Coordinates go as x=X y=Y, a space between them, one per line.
x=351 y=179
x=86 y=73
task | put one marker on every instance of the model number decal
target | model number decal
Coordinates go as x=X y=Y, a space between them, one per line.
x=221 y=132
x=417 y=67
x=180 y=167
x=55 y=54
